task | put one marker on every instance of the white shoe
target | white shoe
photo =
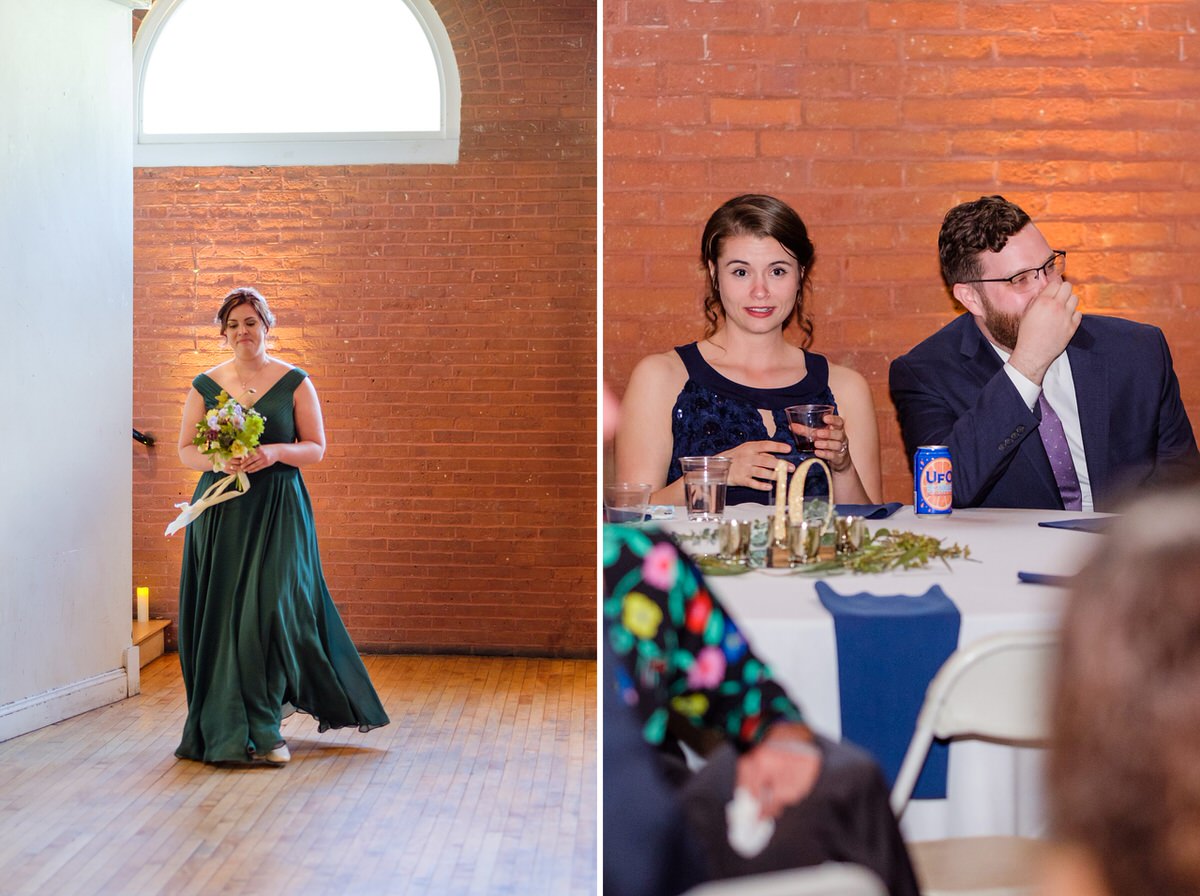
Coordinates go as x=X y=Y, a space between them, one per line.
x=279 y=756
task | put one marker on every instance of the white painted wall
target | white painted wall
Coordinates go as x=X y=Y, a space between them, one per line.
x=66 y=285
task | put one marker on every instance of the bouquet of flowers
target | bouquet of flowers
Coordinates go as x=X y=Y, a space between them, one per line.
x=228 y=430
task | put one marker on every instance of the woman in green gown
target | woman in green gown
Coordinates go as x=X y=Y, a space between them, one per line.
x=258 y=632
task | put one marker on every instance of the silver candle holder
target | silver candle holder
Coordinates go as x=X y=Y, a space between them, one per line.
x=733 y=541
x=804 y=541
x=850 y=532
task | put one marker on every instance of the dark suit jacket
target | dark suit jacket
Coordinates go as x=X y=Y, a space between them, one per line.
x=952 y=390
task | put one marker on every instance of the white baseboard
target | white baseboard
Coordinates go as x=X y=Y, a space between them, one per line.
x=133 y=671
x=40 y=710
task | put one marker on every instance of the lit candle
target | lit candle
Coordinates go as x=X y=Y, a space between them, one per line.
x=143 y=604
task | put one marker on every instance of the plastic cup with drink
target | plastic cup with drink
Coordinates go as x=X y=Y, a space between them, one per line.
x=704 y=483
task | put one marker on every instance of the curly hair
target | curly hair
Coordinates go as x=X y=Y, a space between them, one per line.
x=1124 y=768
x=244 y=295
x=983 y=225
x=760 y=216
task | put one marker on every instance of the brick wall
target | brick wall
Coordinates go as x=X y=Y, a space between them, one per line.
x=447 y=315
x=872 y=119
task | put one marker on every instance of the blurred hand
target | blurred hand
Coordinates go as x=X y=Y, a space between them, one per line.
x=782 y=769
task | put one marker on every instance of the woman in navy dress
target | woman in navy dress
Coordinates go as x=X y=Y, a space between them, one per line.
x=726 y=393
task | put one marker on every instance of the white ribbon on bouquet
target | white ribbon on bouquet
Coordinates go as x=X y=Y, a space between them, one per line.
x=216 y=493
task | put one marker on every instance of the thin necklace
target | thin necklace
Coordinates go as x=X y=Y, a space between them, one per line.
x=248 y=389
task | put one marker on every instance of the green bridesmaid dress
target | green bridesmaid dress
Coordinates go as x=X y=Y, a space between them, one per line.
x=258 y=630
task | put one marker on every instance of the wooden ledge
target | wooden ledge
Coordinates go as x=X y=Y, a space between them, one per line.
x=148 y=637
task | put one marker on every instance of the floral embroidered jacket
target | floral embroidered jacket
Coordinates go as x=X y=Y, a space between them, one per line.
x=677 y=648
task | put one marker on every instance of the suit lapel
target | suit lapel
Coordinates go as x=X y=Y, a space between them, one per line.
x=980 y=360
x=1030 y=464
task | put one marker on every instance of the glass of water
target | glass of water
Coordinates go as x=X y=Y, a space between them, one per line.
x=704 y=483
x=626 y=502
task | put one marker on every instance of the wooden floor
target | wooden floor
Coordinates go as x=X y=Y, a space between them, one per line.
x=484 y=782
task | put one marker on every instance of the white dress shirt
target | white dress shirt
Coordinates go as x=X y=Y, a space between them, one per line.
x=1059 y=386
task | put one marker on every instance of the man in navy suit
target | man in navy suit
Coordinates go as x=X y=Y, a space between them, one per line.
x=982 y=384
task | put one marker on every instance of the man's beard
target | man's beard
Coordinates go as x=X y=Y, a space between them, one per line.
x=1001 y=324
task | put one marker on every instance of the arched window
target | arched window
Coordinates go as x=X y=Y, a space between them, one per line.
x=294 y=82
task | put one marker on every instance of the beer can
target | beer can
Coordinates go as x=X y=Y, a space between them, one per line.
x=933 y=477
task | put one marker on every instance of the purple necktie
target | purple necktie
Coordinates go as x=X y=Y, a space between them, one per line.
x=1055 y=441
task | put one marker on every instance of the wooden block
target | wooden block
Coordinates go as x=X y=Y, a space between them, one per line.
x=149 y=638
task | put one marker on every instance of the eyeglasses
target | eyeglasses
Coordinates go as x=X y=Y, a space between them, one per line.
x=1023 y=280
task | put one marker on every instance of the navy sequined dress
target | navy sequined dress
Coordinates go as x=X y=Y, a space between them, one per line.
x=713 y=414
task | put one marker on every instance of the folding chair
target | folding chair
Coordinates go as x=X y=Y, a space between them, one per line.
x=994 y=689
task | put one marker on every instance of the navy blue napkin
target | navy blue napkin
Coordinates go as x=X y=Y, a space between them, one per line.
x=868 y=511
x=888 y=650
x=1086 y=524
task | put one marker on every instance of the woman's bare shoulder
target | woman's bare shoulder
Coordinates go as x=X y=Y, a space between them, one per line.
x=852 y=391
x=845 y=377
x=658 y=370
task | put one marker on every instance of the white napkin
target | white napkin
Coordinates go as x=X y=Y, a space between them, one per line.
x=748 y=833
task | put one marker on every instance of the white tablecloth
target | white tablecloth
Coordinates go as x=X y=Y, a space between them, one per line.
x=991 y=789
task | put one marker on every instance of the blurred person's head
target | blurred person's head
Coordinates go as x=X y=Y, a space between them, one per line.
x=1124 y=767
x=610 y=413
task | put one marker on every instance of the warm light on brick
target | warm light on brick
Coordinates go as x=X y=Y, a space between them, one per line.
x=447 y=315
x=1084 y=113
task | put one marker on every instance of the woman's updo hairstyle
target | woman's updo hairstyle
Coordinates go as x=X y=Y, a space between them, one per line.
x=758 y=216
x=244 y=295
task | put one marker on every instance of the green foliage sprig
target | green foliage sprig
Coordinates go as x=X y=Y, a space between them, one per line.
x=881 y=551
x=887 y=549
